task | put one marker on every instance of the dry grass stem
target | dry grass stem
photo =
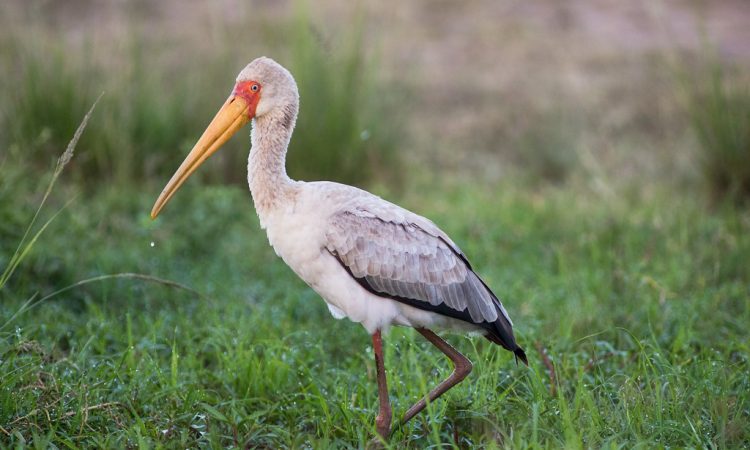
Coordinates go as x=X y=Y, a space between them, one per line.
x=550 y=367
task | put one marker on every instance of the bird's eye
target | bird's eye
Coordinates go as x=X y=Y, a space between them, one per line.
x=254 y=88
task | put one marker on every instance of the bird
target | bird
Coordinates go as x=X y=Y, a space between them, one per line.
x=372 y=261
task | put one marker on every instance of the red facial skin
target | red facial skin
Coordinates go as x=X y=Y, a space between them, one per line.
x=245 y=90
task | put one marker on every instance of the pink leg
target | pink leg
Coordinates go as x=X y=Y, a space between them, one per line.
x=383 y=421
x=461 y=368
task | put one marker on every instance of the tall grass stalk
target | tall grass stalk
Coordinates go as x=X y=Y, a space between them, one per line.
x=720 y=117
x=27 y=243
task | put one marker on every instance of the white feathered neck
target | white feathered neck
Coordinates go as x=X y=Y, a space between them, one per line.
x=269 y=183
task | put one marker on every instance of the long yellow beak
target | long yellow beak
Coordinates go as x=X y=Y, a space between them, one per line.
x=230 y=118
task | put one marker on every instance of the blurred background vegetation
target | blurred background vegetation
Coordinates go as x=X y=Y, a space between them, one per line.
x=157 y=99
x=630 y=94
x=592 y=157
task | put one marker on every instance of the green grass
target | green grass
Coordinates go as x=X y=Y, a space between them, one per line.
x=719 y=108
x=146 y=121
x=642 y=305
x=548 y=150
x=153 y=113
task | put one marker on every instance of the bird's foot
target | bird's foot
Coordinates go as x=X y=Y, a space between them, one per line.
x=383 y=424
x=383 y=427
x=377 y=443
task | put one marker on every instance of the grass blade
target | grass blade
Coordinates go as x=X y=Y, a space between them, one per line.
x=30 y=303
x=23 y=246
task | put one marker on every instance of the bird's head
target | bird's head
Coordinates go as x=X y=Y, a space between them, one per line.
x=267 y=85
x=263 y=89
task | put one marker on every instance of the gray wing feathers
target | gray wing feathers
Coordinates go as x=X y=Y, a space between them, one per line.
x=404 y=260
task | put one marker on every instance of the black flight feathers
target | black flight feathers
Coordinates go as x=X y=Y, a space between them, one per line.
x=500 y=331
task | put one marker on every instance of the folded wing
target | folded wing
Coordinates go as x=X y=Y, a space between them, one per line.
x=413 y=262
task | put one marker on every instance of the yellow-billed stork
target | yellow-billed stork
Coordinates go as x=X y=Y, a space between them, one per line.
x=372 y=261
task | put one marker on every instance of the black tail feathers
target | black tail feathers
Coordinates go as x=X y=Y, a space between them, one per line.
x=510 y=345
x=520 y=354
x=501 y=333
